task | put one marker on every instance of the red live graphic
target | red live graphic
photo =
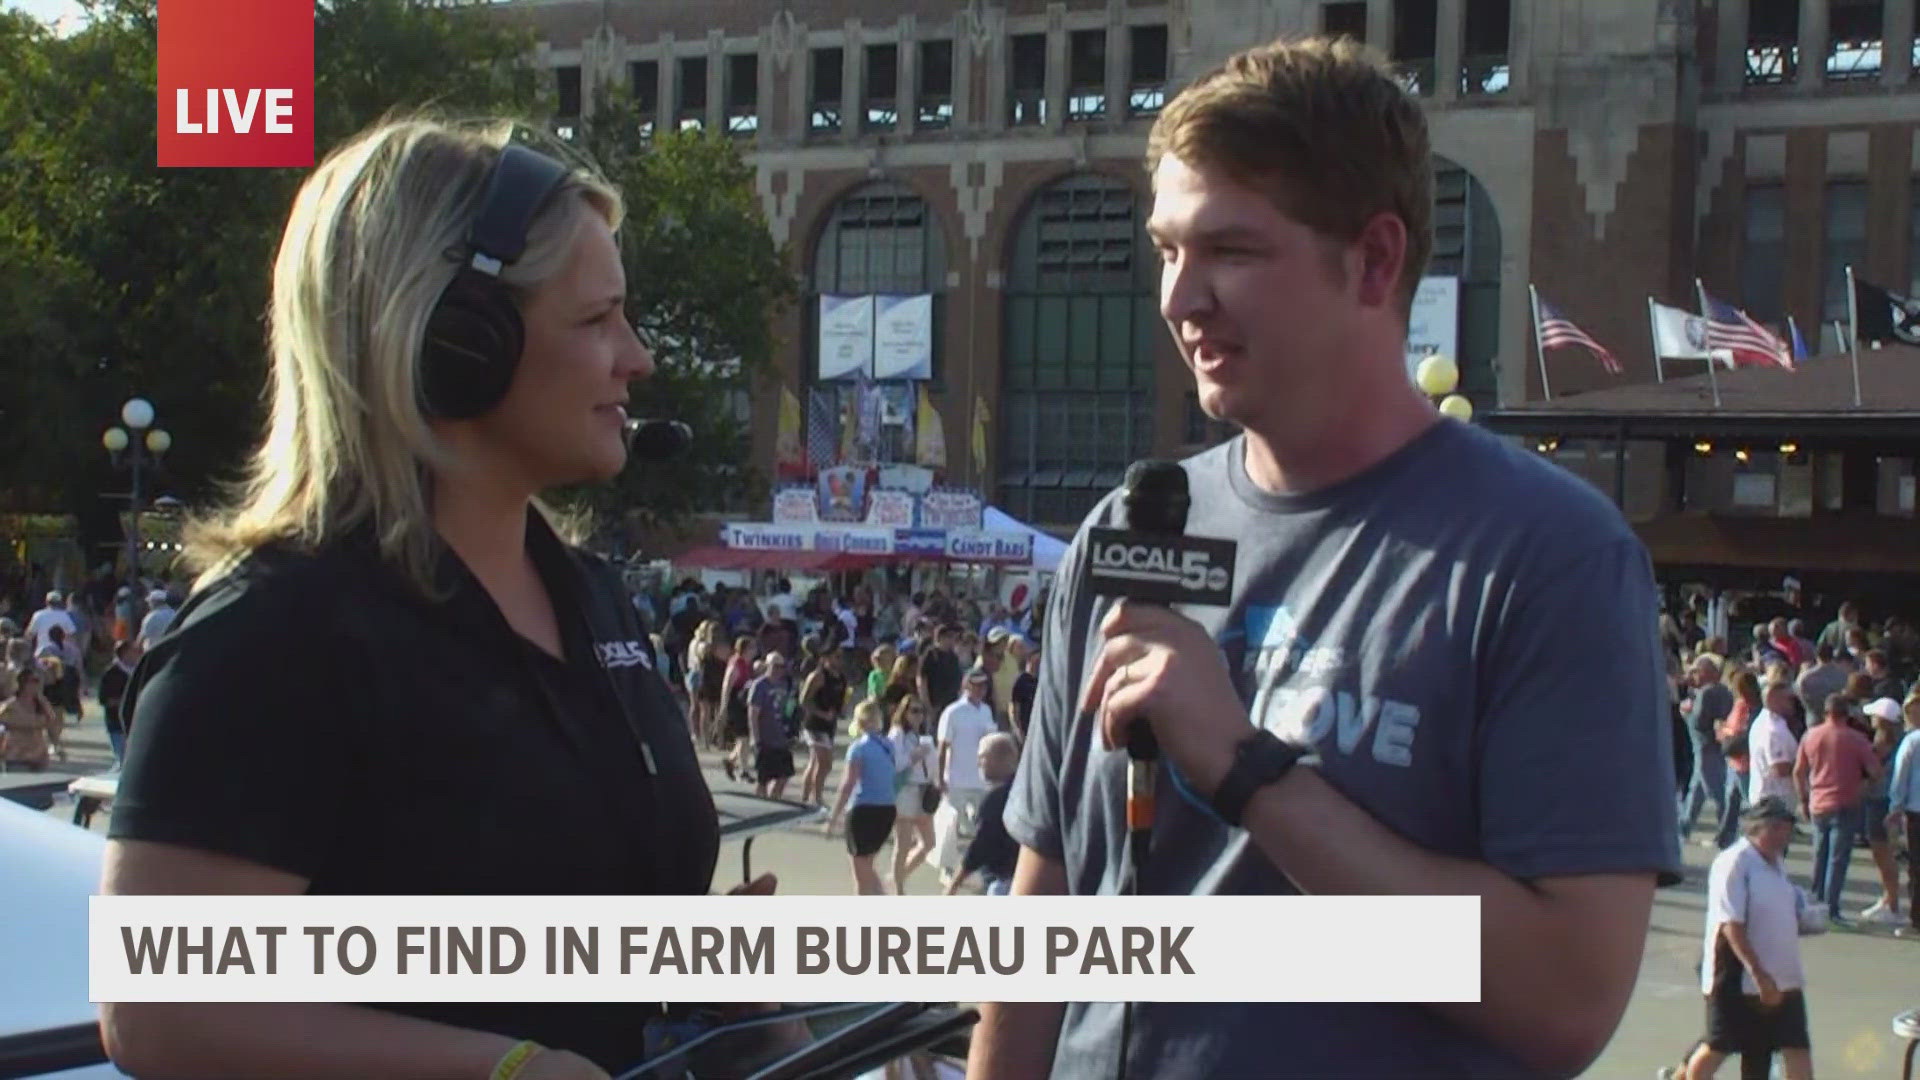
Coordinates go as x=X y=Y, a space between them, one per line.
x=236 y=83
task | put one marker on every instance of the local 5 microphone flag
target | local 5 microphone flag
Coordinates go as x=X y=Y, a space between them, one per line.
x=784 y=948
x=236 y=83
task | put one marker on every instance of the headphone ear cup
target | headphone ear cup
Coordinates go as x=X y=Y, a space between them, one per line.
x=472 y=345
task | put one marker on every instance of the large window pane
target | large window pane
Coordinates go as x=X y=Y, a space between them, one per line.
x=1846 y=234
x=1764 y=257
x=1083 y=372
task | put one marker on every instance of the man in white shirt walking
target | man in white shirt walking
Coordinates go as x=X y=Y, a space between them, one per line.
x=1773 y=748
x=962 y=726
x=1752 y=976
x=54 y=614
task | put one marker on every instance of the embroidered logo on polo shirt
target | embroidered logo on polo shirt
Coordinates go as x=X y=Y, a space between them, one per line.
x=619 y=654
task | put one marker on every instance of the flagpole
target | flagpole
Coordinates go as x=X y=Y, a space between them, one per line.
x=1653 y=330
x=1539 y=349
x=1793 y=335
x=1713 y=365
x=1853 y=334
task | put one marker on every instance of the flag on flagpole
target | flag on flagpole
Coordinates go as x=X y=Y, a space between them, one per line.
x=823 y=427
x=1557 y=330
x=1679 y=334
x=930 y=435
x=981 y=418
x=790 y=448
x=1734 y=330
x=1885 y=316
x=1801 y=354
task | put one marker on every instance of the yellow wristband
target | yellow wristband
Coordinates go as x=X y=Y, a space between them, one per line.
x=515 y=1059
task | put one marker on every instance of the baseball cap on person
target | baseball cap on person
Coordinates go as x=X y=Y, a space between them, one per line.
x=996 y=635
x=1768 y=808
x=157 y=596
x=55 y=596
x=1884 y=709
x=977 y=674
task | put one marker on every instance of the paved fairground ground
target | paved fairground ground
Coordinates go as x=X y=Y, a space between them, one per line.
x=1857 y=979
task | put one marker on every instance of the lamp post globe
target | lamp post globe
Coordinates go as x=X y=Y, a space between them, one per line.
x=159 y=441
x=138 y=413
x=114 y=439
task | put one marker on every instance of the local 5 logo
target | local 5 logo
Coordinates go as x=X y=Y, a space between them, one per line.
x=236 y=83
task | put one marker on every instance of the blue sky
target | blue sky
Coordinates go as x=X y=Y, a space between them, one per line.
x=44 y=10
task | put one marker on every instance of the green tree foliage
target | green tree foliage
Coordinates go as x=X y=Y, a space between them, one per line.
x=119 y=278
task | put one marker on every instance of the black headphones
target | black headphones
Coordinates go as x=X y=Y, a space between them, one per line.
x=474 y=335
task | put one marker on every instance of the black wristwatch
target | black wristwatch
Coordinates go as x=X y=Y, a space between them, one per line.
x=1258 y=760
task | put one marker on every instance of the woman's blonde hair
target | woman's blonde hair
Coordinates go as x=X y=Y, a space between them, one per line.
x=867 y=717
x=373 y=239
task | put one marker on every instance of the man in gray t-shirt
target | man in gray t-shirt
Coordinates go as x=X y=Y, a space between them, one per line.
x=1424 y=651
x=1712 y=702
x=1461 y=635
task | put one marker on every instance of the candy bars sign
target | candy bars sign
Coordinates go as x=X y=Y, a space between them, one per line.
x=236 y=83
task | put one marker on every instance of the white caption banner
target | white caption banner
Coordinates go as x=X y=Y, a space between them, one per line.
x=785 y=948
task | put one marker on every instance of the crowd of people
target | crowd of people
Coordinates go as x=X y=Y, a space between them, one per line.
x=52 y=657
x=924 y=697
x=1794 y=737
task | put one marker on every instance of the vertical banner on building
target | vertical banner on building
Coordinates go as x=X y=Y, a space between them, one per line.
x=1434 y=324
x=903 y=337
x=982 y=419
x=846 y=336
x=931 y=444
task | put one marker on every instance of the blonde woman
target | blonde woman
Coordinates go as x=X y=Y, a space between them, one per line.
x=869 y=786
x=880 y=667
x=448 y=339
x=916 y=796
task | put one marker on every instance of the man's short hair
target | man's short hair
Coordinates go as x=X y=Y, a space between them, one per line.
x=1823 y=653
x=1710 y=664
x=1875 y=656
x=1836 y=704
x=1323 y=128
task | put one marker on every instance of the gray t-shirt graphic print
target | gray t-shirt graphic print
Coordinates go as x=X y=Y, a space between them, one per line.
x=1467 y=636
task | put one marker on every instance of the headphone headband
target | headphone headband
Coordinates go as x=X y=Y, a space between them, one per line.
x=520 y=183
x=474 y=335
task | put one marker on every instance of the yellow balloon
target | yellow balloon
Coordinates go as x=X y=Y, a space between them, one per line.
x=1457 y=407
x=1437 y=375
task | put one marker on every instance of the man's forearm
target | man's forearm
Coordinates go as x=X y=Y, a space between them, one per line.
x=1556 y=970
x=161 y=1040
x=1742 y=946
x=1015 y=1041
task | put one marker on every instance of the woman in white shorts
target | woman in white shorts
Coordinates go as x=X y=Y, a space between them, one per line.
x=914 y=793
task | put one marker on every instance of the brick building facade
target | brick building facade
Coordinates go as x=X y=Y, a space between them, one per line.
x=990 y=153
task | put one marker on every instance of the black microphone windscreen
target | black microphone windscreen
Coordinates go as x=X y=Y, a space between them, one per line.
x=657 y=440
x=1156 y=497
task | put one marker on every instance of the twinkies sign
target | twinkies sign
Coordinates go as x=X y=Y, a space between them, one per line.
x=236 y=83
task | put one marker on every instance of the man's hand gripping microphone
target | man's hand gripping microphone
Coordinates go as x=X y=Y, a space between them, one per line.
x=1152 y=560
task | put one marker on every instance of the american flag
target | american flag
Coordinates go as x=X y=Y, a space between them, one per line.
x=1750 y=343
x=1557 y=330
x=823 y=426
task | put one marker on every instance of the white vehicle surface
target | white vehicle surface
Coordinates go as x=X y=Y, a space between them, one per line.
x=48 y=1027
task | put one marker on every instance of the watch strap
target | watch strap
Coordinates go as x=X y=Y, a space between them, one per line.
x=1258 y=760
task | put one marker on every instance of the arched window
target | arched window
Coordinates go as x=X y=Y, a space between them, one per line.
x=1466 y=245
x=1082 y=326
x=880 y=238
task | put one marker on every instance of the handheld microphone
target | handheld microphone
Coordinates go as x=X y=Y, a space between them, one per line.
x=1153 y=560
x=657 y=440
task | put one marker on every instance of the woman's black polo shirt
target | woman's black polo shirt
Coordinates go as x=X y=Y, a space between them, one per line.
x=315 y=713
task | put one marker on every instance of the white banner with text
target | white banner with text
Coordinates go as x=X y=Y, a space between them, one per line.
x=784 y=948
